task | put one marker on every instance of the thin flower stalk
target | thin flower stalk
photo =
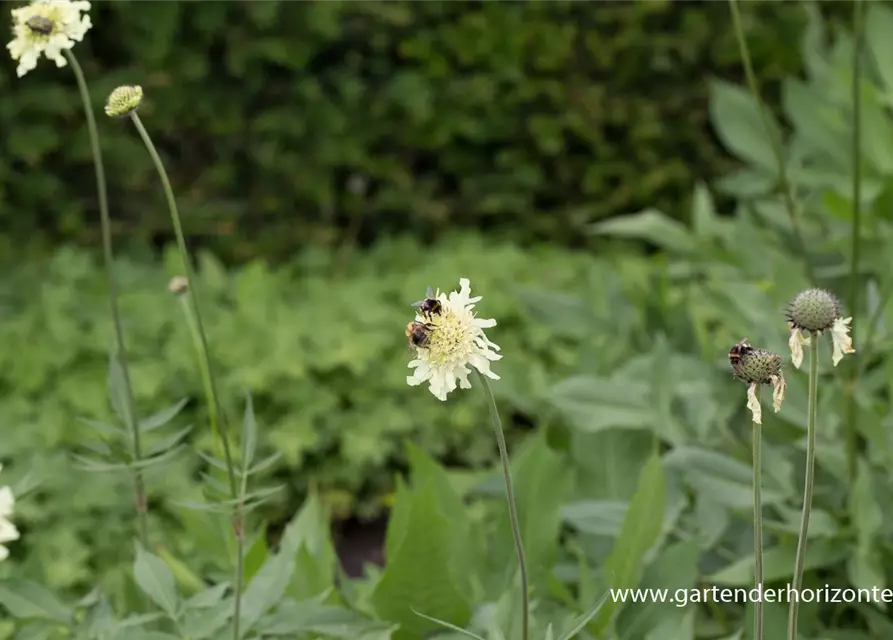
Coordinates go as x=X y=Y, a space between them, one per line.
x=197 y=329
x=757 y=526
x=808 y=483
x=139 y=487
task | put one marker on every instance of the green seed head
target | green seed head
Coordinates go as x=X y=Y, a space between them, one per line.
x=123 y=101
x=813 y=310
x=756 y=365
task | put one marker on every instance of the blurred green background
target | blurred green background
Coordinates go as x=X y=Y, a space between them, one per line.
x=332 y=159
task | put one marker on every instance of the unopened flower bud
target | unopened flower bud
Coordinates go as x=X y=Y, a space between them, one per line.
x=123 y=101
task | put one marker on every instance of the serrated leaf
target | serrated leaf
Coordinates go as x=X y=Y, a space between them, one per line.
x=118 y=391
x=266 y=589
x=308 y=541
x=156 y=580
x=249 y=435
x=27 y=599
x=162 y=417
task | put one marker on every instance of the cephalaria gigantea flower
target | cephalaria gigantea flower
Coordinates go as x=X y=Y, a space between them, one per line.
x=755 y=367
x=447 y=339
x=47 y=27
x=809 y=314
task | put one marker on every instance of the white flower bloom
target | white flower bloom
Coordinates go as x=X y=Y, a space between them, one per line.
x=842 y=343
x=753 y=402
x=796 y=342
x=455 y=340
x=8 y=531
x=48 y=27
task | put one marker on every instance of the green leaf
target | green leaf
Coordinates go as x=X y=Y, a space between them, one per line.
x=592 y=404
x=162 y=417
x=583 y=620
x=117 y=389
x=447 y=625
x=640 y=531
x=406 y=585
x=266 y=589
x=249 y=435
x=205 y=622
x=778 y=563
x=703 y=212
x=308 y=541
x=736 y=117
x=208 y=598
x=26 y=599
x=878 y=27
x=651 y=226
x=156 y=580
x=865 y=567
x=312 y=617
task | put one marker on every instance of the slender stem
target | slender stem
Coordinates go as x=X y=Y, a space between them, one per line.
x=787 y=189
x=757 y=527
x=510 y=499
x=139 y=487
x=851 y=432
x=807 y=485
x=239 y=530
x=205 y=360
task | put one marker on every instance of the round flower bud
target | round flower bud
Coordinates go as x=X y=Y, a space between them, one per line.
x=123 y=101
x=756 y=366
x=178 y=285
x=813 y=310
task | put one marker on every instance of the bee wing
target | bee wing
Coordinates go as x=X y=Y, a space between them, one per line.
x=418 y=304
x=430 y=292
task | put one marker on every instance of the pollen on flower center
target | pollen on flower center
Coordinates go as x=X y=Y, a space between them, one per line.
x=450 y=338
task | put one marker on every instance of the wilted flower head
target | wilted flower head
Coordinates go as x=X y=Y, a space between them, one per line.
x=756 y=367
x=811 y=312
x=48 y=27
x=123 y=101
x=447 y=338
x=8 y=531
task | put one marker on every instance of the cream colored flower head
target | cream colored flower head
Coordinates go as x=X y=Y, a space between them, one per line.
x=8 y=531
x=48 y=27
x=447 y=338
x=809 y=314
x=755 y=367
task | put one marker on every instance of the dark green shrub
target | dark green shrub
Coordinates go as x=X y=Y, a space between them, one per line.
x=291 y=123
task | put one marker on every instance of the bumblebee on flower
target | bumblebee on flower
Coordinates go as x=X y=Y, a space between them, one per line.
x=811 y=312
x=47 y=27
x=756 y=367
x=447 y=338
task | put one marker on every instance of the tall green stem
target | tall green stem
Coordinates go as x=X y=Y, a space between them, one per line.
x=139 y=487
x=757 y=527
x=510 y=499
x=214 y=410
x=807 y=486
x=850 y=427
x=787 y=189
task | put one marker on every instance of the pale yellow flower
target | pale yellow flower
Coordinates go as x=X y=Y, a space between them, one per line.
x=47 y=27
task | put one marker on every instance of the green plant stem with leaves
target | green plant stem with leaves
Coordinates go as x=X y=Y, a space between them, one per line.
x=757 y=525
x=139 y=486
x=512 y=508
x=850 y=426
x=775 y=143
x=214 y=409
x=807 y=484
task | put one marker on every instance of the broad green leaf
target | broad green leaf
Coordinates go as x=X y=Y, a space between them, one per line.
x=865 y=567
x=593 y=404
x=878 y=27
x=208 y=598
x=778 y=563
x=26 y=599
x=156 y=580
x=542 y=482
x=312 y=617
x=256 y=555
x=651 y=226
x=117 y=389
x=451 y=627
x=184 y=575
x=640 y=531
x=596 y=517
x=608 y=462
x=308 y=542
x=580 y=623
x=406 y=585
x=703 y=212
x=249 y=435
x=266 y=589
x=201 y=623
x=675 y=568
x=736 y=117
x=818 y=122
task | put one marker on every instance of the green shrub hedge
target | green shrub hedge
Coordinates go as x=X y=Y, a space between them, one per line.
x=292 y=123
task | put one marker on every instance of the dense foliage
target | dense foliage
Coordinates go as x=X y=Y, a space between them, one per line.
x=321 y=123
